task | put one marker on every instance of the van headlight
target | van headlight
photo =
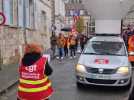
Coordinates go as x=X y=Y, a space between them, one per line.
x=131 y=53
x=80 y=68
x=123 y=70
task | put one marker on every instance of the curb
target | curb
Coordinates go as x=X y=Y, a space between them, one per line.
x=9 y=76
x=10 y=85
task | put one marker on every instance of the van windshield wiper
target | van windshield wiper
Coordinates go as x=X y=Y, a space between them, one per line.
x=102 y=53
x=91 y=53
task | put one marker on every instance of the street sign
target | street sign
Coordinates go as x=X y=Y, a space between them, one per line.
x=2 y=18
x=53 y=27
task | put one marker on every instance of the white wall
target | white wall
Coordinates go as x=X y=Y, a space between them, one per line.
x=46 y=7
x=59 y=7
x=108 y=26
x=39 y=8
x=60 y=14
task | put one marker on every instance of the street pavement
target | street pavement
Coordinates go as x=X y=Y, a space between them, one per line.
x=65 y=88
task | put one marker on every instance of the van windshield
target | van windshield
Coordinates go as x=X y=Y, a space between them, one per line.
x=105 y=48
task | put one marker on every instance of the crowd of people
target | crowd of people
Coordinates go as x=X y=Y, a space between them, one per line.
x=34 y=68
x=128 y=36
x=126 y=33
x=67 y=45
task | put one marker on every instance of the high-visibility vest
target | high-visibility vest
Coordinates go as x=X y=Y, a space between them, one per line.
x=131 y=43
x=33 y=84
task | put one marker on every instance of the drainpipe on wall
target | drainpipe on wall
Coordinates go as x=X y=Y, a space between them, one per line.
x=24 y=19
x=53 y=17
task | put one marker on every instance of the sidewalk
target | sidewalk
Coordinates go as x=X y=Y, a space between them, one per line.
x=8 y=77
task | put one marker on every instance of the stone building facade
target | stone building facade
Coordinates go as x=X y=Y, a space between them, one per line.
x=59 y=15
x=32 y=17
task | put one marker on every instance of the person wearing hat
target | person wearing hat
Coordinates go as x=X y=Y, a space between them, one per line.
x=34 y=70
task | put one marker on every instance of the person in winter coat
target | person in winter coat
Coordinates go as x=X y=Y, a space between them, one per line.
x=83 y=41
x=60 y=45
x=66 y=46
x=72 y=47
x=34 y=70
x=53 y=42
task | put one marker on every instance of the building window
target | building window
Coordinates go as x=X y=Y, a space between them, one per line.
x=15 y=12
x=8 y=11
x=31 y=11
x=44 y=21
x=10 y=8
x=72 y=1
x=81 y=12
x=27 y=12
x=1 y=5
x=71 y=12
x=20 y=13
x=11 y=11
x=75 y=1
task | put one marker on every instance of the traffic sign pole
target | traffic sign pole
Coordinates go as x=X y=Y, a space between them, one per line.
x=24 y=24
x=2 y=22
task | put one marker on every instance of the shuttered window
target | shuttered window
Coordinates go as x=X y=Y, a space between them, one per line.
x=27 y=13
x=20 y=13
x=7 y=5
x=10 y=11
x=0 y=5
x=31 y=8
x=15 y=12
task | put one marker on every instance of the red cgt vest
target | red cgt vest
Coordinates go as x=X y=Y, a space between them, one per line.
x=33 y=84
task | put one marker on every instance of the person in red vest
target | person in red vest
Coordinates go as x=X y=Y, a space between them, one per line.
x=34 y=71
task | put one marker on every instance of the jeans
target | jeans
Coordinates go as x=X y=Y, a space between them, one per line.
x=72 y=50
x=53 y=51
x=66 y=51
x=61 y=52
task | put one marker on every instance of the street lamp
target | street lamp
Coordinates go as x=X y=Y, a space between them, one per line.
x=87 y=29
x=53 y=28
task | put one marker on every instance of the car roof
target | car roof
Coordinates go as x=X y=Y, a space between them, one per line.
x=107 y=38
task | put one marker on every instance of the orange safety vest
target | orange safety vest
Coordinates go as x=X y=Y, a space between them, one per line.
x=131 y=43
x=72 y=41
x=33 y=84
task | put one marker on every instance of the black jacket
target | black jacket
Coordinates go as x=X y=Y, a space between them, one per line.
x=30 y=58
